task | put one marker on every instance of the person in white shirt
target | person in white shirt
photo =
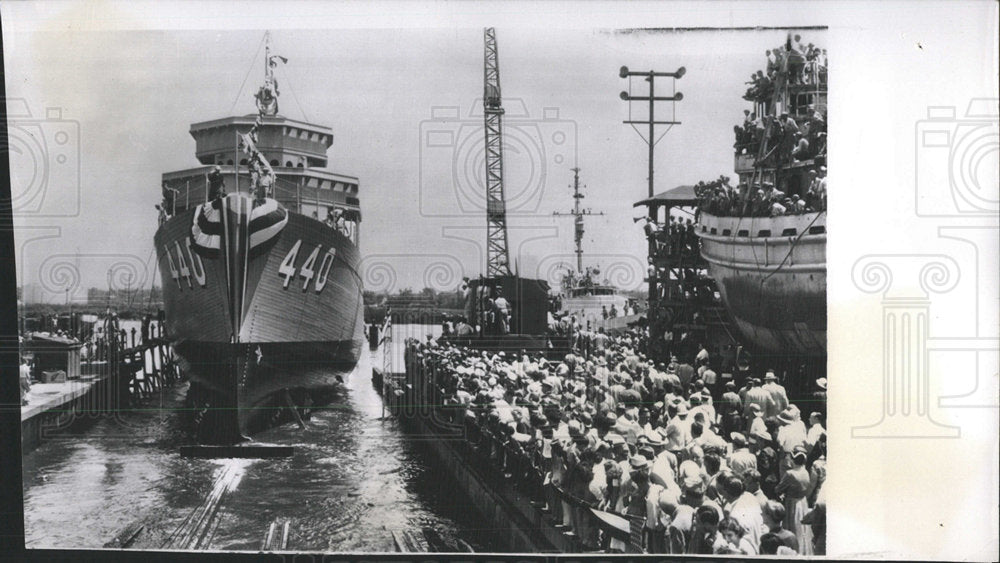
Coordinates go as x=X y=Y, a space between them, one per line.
x=741 y=506
x=791 y=434
x=25 y=376
x=503 y=309
x=778 y=396
x=815 y=430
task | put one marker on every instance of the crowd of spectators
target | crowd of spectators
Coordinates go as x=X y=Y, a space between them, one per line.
x=782 y=140
x=778 y=141
x=487 y=311
x=797 y=63
x=690 y=461
x=674 y=238
x=720 y=198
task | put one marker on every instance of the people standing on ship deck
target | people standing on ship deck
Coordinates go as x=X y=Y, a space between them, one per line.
x=340 y=223
x=216 y=189
x=801 y=150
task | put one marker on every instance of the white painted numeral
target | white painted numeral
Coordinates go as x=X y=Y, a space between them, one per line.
x=306 y=271
x=287 y=268
x=197 y=267
x=324 y=269
x=173 y=269
x=185 y=272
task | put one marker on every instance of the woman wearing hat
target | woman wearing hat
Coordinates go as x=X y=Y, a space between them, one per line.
x=793 y=488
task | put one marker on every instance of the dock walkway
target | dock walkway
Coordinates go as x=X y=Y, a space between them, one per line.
x=131 y=374
x=47 y=397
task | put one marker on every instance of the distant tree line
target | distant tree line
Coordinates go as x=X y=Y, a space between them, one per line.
x=426 y=306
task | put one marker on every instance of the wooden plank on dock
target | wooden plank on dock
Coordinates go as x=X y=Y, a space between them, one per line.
x=269 y=537
x=126 y=537
x=276 y=538
x=408 y=542
x=198 y=529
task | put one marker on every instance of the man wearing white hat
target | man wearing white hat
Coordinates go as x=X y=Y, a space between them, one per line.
x=757 y=426
x=819 y=397
x=791 y=435
x=757 y=395
x=815 y=430
x=778 y=395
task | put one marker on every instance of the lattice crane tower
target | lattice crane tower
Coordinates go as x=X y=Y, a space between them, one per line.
x=497 y=258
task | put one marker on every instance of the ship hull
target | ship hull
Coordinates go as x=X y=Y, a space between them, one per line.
x=279 y=333
x=771 y=274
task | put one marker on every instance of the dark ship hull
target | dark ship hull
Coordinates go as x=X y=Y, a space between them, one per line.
x=771 y=274
x=261 y=330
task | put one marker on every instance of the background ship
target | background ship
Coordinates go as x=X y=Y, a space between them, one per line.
x=771 y=270
x=257 y=250
x=582 y=295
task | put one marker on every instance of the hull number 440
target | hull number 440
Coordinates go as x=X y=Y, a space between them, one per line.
x=179 y=269
x=308 y=271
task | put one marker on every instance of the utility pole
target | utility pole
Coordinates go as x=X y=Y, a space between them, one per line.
x=497 y=257
x=578 y=215
x=650 y=76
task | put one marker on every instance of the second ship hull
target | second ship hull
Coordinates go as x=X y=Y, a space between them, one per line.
x=282 y=334
x=771 y=274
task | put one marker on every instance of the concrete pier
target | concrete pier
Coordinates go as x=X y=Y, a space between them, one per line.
x=130 y=375
x=53 y=406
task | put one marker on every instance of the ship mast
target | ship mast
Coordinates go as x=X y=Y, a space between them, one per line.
x=578 y=215
x=262 y=177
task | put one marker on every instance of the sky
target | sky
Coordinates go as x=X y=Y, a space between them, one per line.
x=405 y=109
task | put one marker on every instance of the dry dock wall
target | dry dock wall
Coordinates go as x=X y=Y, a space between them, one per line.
x=513 y=521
